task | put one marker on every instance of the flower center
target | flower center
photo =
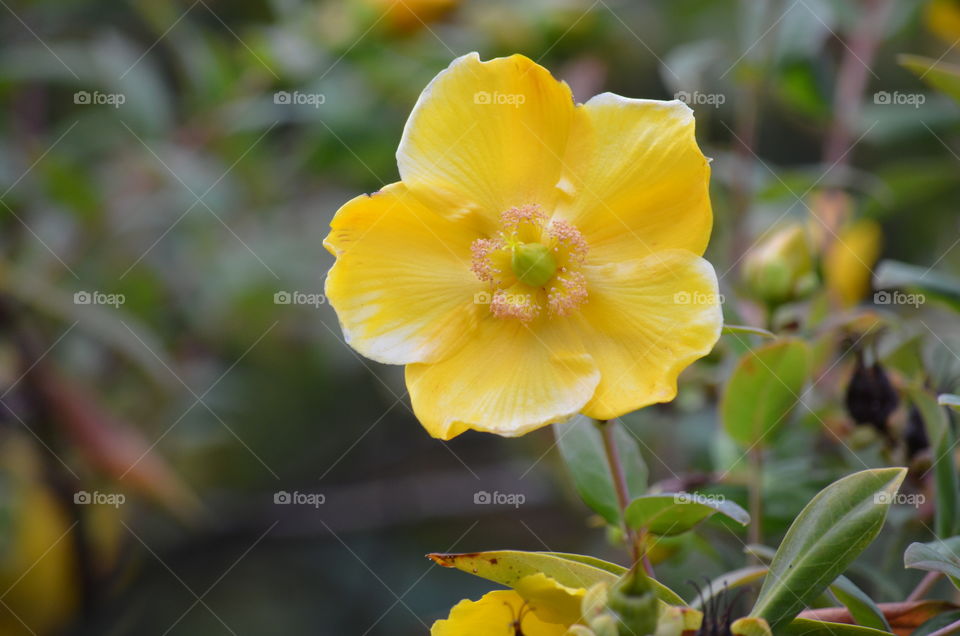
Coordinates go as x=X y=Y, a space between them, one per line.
x=532 y=264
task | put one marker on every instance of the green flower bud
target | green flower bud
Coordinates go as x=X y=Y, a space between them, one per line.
x=533 y=264
x=781 y=268
x=633 y=601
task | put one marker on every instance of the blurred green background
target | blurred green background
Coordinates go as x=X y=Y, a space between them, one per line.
x=168 y=170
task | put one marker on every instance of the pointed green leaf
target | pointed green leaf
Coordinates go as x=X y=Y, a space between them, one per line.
x=918 y=280
x=864 y=611
x=675 y=513
x=827 y=535
x=940 y=75
x=936 y=556
x=763 y=389
x=581 y=445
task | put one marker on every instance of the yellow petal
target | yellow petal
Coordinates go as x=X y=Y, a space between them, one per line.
x=645 y=322
x=494 y=615
x=509 y=379
x=487 y=136
x=636 y=181
x=402 y=286
x=550 y=600
x=849 y=261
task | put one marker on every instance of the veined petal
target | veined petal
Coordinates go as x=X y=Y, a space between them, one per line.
x=508 y=379
x=551 y=600
x=487 y=136
x=646 y=321
x=402 y=286
x=494 y=615
x=635 y=180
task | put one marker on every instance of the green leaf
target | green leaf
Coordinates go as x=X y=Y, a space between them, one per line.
x=940 y=75
x=729 y=581
x=935 y=623
x=827 y=535
x=763 y=389
x=747 y=329
x=509 y=566
x=676 y=513
x=944 y=464
x=809 y=627
x=581 y=445
x=662 y=592
x=862 y=608
x=896 y=275
x=936 y=556
x=949 y=399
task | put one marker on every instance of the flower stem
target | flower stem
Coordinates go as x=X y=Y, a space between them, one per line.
x=924 y=586
x=755 y=485
x=636 y=541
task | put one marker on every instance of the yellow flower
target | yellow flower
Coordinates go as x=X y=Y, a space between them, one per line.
x=849 y=260
x=500 y=613
x=943 y=18
x=538 y=258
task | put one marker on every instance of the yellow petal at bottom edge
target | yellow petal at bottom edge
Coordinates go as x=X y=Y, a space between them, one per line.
x=509 y=378
x=645 y=322
x=494 y=615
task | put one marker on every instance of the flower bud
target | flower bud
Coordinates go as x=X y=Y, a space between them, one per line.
x=750 y=627
x=871 y=397
x=780 y=268
x=634 y=603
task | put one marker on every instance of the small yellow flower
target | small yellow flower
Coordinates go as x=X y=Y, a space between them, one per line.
x=500 y=613
x=537 y=259
x=848 y=263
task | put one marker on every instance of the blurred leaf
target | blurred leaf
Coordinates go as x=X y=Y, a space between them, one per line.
x=115 y=447
x=935 y=623
x=936 y=556
x=729 y=581
x=827 y=535
x=896 y=275
x=675 y=513
x=940 y=75
x=763 y=389
x=581 y=445
x=808 y=627
x=944 y=467
x=949 y=399
x=747 y=329
x=862 y=608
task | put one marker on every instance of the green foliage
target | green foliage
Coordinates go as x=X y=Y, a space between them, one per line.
x=830 y=532
x=675 y=513
x=581 y=444
x=764 y=387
